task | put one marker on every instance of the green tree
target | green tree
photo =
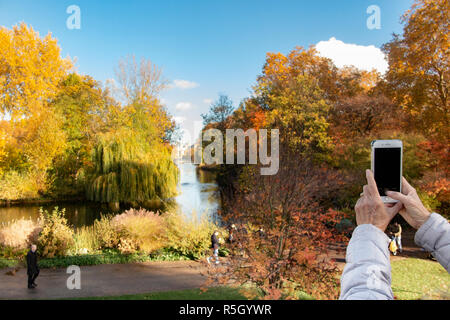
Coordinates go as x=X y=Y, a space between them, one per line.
x=81 y=104
x=128 y=170
x=299 y=110
x=132 y=158
x=219 y=111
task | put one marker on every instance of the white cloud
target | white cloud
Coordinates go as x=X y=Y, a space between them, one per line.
x=179 y=120
x=362 y=57
x=207 y=101
x=184 y=84
x=183 y=106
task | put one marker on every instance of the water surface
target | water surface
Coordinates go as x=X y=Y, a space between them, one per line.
x=197 y=195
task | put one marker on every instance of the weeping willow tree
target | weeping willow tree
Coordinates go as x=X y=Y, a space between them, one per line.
x=129 y=170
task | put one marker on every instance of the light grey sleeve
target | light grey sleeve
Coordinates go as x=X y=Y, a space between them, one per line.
x=367 y=273
x=434 y=237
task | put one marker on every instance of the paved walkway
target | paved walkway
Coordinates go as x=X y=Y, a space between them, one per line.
x=105 y=280
x=134 y=278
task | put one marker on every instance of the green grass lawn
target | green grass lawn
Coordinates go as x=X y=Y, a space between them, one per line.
x=214 y=293
x=414 y=278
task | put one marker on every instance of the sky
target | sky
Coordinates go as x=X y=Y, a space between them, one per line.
x=207 y=48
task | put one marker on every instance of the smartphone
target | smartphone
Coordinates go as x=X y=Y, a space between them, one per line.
x=386 y=165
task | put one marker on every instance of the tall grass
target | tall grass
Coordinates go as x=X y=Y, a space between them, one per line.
x=132 y=232
x=86 y=241
x=140 y=230
x=19 y=234
x=190 y=236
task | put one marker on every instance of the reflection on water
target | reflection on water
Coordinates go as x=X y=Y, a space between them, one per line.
x=197 y=195
x=77 y=213
x=198 y=192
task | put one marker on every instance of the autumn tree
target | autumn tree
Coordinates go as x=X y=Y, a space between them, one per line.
x=131 y=159
x=139 y=86
x=31 y=69
x=299 y=110
x=84 y=110
x=362 y=114
x=418 y=75
x=352 y=81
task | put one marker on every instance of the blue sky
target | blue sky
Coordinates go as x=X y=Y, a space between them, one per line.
x=218 y=45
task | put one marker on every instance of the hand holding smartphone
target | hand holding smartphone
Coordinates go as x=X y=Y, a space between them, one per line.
x=387 y=156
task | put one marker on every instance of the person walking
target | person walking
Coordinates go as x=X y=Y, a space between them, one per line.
x=393 y=246
x=215 y=245
x=32 y=267
x=231 y=230
x=398 y=236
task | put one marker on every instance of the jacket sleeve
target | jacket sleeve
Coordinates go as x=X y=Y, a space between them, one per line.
x=434 y=236
x=367 y=273
x=28 y=262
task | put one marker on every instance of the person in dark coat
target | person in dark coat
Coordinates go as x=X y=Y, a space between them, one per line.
x=32 y=267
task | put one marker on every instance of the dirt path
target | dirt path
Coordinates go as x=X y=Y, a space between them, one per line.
x=105 y=280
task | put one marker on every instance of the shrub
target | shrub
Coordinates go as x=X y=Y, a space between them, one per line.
x=19 y=234
x=189 y=237
x=429 y=201
x=139 y=230
x=15 y=185
x=56 y=236
x=106 y=235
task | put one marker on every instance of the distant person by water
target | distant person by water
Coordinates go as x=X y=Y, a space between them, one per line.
x=231 y=231
x=215 y=245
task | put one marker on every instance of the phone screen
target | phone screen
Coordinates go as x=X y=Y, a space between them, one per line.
x=387 y=169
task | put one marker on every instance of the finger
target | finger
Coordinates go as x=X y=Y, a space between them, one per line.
x=395 y=209
x=366 y=191
x=372 y=184
x=406 y=187
x=358 y=202
x=397 y=196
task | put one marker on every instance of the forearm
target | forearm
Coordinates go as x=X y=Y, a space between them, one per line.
x=434 y=236
x=367 y=274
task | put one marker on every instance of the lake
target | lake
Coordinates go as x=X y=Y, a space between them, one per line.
x=198 y=194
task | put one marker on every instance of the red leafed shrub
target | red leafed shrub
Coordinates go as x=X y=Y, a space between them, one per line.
x=282 y=240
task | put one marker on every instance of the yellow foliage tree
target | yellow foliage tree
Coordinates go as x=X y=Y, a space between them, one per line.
x=3 y=151
x=30 y=70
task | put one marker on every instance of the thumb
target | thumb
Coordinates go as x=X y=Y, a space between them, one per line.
x=397 y=196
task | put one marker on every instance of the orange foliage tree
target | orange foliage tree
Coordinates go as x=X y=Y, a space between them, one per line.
x=419 y=66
